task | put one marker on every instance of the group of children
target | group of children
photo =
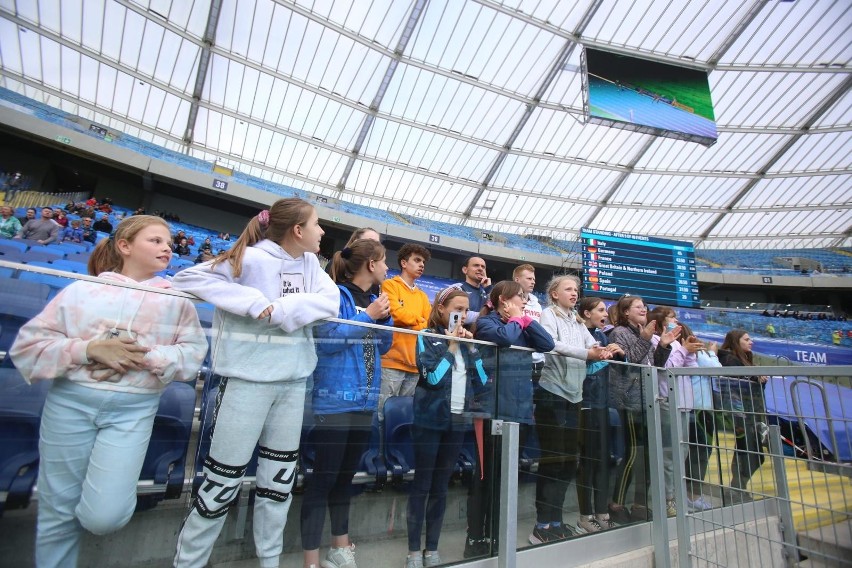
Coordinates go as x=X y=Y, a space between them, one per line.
x=271 y=334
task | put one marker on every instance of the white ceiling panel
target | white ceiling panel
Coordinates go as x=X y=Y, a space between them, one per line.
x=470 y=112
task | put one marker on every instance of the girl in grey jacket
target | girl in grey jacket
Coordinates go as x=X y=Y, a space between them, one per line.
x=558 y=405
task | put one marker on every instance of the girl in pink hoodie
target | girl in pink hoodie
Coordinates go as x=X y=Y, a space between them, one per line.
x=110 y=349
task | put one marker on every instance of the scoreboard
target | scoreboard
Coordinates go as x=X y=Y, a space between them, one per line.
x=660 y=270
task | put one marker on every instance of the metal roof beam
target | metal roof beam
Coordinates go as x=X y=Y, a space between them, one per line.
x=829 y=101
x=203 y=65
x=557 y=67
x=413 y=18
x=653 y=56
x=740 y=28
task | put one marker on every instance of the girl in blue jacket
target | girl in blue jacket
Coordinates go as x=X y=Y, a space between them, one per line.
x=345 y=396
x=450 y=371
x=502 y=321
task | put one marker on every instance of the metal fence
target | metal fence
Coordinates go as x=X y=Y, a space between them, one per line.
x=764 y=471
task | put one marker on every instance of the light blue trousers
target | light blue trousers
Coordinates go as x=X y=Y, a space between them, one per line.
x=92 y=446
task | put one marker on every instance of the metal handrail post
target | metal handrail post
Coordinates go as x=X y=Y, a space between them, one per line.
x=508 y=544
x=679 y=442
x=659 y=525
x=782 y=495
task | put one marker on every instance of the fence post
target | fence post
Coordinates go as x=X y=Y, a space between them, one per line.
x=659 y=526
x=680 y=449
x=782 y=496
x=508 y=533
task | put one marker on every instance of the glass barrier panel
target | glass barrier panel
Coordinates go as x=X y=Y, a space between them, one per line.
x=98 y=394
x=254 y=421
x=584 y=451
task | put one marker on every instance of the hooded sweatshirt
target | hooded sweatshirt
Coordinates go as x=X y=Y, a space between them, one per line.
x=409 y=308
x=563 y=374
x=53 y=344
x=280 y=348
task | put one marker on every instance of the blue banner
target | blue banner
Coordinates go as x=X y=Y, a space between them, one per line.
x=799 y=353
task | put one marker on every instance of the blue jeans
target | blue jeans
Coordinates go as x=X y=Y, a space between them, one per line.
x=435 y=456
x=92 y=446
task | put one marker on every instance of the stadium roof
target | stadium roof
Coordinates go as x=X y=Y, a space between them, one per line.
x=471 y=112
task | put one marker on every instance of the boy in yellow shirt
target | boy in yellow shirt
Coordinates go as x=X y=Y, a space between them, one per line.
x=409 y=308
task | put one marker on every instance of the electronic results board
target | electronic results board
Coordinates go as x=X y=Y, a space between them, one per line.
x=660 y=270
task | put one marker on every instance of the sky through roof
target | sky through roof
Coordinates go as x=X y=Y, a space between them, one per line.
x=471 y=112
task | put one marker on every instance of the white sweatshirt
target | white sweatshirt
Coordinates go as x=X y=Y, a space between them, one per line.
x=563 y=374
x=53 y=344
x=270 y=350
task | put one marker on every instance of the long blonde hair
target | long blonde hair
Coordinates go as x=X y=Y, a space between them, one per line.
x=105 y=257
x=554 y=284
x=284 y=214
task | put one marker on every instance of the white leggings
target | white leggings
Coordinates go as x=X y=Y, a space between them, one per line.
x=246 y=413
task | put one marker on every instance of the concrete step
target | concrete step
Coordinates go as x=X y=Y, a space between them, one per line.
x=827 y=546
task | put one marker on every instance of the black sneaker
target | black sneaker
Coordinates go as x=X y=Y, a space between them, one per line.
x=564 y=531
x=549 y=534
x=474 y=547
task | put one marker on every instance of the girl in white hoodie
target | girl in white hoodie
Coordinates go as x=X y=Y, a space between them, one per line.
x=111 y=350
x=267 y=289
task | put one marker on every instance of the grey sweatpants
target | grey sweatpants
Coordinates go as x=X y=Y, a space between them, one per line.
x=246 y=413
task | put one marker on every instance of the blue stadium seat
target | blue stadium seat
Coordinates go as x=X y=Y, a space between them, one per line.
x=13 y=244
x=165 y=462
x=467 y=456
x=12 y=255
x=46 y=252
x=40 y=256
x=56 y=283
x=372 y=461
x=71 y=249
x=180 y=263
x=20 y=415
x=22 y=299
x=205 y=430
x=399 y=448
x=205 y=314
x=76 y=266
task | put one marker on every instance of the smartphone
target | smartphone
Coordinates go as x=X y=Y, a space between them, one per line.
x=456 y=319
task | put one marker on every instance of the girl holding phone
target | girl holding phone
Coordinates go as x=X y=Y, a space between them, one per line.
x=449 y=371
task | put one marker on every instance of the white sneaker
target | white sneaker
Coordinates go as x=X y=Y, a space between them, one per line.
x=340 y=558
x=588 y=524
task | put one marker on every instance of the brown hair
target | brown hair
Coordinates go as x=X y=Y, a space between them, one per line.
x=523 y=268
x=359 y=234
x=587 y=304
x=659 y=315
x=732 y=344
x=504 y=288
x=284 y=215
x=622 y=306
x=410 y=249
x=443 y=298
x=105 y=257
x=347 y=262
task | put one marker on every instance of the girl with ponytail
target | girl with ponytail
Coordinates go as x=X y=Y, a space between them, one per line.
x=268 y=290
x=345 y=397
x=109 y=351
